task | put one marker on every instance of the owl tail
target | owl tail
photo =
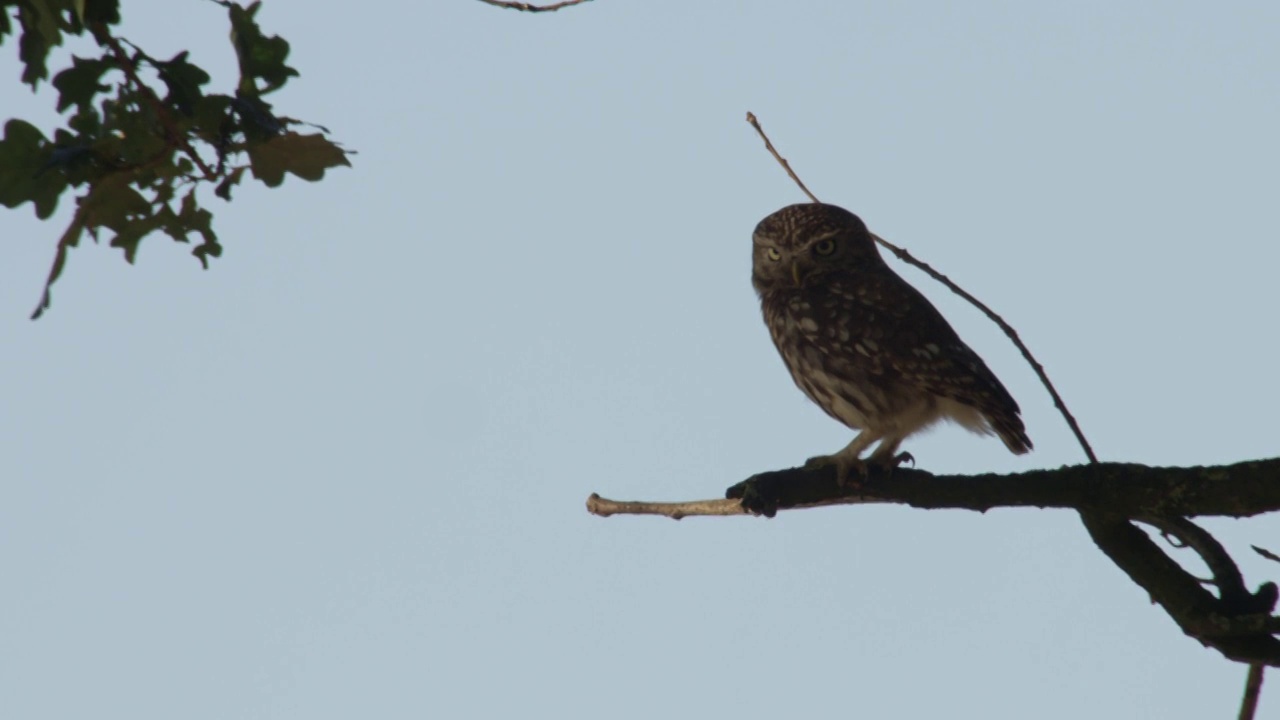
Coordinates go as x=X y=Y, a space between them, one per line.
x=1012 y=432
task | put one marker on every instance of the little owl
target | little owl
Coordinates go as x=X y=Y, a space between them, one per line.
x=864 y=345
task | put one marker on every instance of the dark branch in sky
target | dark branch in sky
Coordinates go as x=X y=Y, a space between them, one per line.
x=527 y=7
x=1110 y=498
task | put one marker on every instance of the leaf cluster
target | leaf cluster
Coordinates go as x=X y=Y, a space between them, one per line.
x=143 y=134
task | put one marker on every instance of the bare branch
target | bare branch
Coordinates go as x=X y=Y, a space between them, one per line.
x=1252 y=689
x=526 y=7
x=907 y=257
x=1151 y=494
x=1226 y=575
x=1131 y=490
x=1108 y=496
x=604 y=507
x=1265 y=553
x=1012 y=334
x=1247 y=637
x=751 y=118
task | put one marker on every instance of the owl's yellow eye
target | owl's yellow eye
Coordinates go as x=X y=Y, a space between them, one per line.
x=825 y=247
x=773 y=254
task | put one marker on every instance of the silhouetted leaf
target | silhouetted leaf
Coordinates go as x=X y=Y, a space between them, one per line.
x=40 y=32
x=257 y=122
x=183 y=80
x=128 y=237
x=209 y=248
x=224 y=188
x=306 y=156
x=260 y=56
x=78 y=84
x=113 y=203
x=198 y=220
x=5 y=26
x=98 y=11
x=24 y=153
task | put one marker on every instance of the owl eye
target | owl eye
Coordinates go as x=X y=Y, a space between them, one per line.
x=825 y=247
x=773 y=254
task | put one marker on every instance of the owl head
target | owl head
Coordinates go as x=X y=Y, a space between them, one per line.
x=800 y=244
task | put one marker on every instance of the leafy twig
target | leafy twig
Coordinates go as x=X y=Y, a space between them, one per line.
x=173 y=135
x=70 y=238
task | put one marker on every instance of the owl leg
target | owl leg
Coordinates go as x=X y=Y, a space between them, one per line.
x=847 y=459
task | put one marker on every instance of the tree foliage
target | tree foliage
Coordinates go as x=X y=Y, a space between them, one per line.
x=143 y=134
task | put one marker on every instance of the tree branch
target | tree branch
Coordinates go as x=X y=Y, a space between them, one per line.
x=751 y=118
x=1252 y=688
x=1245 y=634
x=605 y=507
x=1238 y=490
x=1147 y=493
x=526 y=7
x=1109 y=496
x=173 y=136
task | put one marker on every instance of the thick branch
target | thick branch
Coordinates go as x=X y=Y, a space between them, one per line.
x=1241 y=629
x=1242 y=489
x=1138 y=491
x=1237 y=622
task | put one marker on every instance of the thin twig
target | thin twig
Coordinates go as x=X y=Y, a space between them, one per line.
x=605 y=507
x=751 y=118
x=1265 y=553
x=1226 y=574
x=174 y=136
x=70 y=237
x=908 y=258
x=1012 y=334
x=526 y=7
x=1252 y=689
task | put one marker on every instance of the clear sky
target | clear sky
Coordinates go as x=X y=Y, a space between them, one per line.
x=342 y=473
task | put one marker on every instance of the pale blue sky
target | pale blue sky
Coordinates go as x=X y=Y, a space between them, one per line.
x=342 y=473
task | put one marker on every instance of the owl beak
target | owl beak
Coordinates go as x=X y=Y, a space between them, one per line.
x=795 y=272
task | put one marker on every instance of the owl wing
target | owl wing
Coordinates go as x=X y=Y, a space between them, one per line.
x=911 y=342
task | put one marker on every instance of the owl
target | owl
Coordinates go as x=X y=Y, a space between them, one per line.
x=864 y=345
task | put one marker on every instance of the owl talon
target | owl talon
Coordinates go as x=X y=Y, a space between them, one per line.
x=850 y=472
x=901 y=459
